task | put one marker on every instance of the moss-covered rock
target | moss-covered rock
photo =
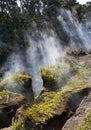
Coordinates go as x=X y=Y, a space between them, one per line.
x=9 y=103
x=19 y=83
x=23 y=79
x=7 y=97
x=45 y=107
x=51 y=104
x=49 y=76
x=53 y=76
x=81 y=120
x=19 y=78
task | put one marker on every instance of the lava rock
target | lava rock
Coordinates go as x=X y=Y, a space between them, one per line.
x=9 y=103
x=81 y=120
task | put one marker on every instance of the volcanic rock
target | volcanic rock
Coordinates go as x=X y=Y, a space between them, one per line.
x=9 y=103
x=81 y=120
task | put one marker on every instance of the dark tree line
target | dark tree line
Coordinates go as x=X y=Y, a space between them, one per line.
x=33 y=7
x=20 y=13
x=16 y=15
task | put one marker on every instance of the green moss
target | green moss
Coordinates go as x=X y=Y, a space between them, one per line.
x=47 y=108
x=50 y=104
x=7 y=96
x=51 y=75
x=23 y=79
x=20 y=78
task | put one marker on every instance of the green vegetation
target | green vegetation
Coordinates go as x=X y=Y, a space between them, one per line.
x=50 y=104
x=82 y=10
x=7 y=96
x=51 y=75
x=19 y=78
x=44 y=108
x=23 y=79
x=48 y=107
x=14 y=18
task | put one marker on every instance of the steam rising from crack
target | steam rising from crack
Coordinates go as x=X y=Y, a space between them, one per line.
x=43 y=52
x=45 y=48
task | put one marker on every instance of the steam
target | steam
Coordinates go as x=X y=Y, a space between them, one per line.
x=78 y=36
x=44 y=51
x=14 y=65
x=45 y=48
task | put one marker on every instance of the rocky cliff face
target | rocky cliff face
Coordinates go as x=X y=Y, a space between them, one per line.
x=9 y=103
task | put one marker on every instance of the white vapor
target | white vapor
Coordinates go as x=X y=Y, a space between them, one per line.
x=15 y=65
x=42 y=52
x=44 y=49
x=78 y=36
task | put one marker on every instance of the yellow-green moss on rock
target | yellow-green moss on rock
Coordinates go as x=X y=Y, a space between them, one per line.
x=7 y=97
x=45 y=107
x=52 y=75
x=19 y=78
x=9 y=103
x=50 y=104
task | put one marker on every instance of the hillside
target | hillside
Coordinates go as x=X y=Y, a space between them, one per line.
x=45 y=65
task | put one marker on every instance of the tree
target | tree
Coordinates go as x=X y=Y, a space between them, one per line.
x=7 y=5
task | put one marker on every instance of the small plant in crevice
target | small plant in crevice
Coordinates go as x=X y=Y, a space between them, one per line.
x=17 y=125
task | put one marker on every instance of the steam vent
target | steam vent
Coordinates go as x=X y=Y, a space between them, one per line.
x=45 y=65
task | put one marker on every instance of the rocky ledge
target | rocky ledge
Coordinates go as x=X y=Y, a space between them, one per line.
x=81 y=120
x=65 y=102
x=9 y=103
